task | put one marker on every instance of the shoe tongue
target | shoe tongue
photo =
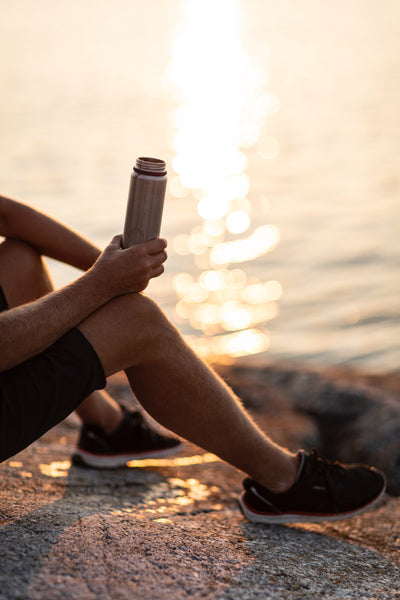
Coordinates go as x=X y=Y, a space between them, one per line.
x=129 y=417
x=301 y=457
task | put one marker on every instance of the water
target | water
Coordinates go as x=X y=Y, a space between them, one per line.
x=279 y=114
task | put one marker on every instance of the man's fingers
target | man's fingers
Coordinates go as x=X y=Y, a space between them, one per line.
x=157 y=259
x=116 y=242
x=151 y=247
x=155 y=246
x=159 y=270
x=154 y=250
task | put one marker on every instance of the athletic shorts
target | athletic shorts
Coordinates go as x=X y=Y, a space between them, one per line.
x=40 y=392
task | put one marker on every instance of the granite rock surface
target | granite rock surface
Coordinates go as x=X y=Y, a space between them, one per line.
x=172 y=530
x=356 y=417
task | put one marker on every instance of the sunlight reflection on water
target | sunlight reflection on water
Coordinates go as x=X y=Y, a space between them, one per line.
x=319 y=158
x=223 y=107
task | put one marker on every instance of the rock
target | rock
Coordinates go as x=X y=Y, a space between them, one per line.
x=175 y=531
x=357 y=421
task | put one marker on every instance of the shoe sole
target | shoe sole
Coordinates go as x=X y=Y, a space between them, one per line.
x=86 y=459
x=283 y=518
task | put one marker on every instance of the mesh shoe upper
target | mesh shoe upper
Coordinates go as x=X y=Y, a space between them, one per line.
x=322 y=488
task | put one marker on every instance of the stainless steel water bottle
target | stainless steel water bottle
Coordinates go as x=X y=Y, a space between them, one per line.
x=145 y=201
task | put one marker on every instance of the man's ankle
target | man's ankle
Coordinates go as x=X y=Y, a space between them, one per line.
x=114 y=420
x=286 y=478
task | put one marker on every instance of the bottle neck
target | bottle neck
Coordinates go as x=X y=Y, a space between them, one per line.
x=150 y=166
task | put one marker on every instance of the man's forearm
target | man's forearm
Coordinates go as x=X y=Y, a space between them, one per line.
x=29 y=329
x=46 y=235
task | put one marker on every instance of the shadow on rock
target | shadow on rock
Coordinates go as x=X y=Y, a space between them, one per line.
x=28 y=540
x=292 y=562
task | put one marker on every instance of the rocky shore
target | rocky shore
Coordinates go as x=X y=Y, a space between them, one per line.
x=171 y=529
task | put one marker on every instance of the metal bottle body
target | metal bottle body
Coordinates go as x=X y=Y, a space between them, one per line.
x=145 y=201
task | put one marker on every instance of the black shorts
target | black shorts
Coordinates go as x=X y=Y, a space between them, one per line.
x=42 y=391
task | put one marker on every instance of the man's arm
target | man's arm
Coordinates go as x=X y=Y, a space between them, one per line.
x=46 y=235
x=29 y=329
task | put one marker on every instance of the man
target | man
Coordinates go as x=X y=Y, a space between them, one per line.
x=59 y=346
x=111 y=436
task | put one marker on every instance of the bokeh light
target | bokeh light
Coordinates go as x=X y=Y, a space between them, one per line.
x=223 y=107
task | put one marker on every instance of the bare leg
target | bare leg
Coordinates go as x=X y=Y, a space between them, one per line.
x=24 y=277
x=23 y=273
x=180 y=391
x=174 y=385
x=101 y=409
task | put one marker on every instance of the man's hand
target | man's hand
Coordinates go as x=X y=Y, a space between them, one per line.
x=124 y=270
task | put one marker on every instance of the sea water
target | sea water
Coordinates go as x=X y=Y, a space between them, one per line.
x=289 y=110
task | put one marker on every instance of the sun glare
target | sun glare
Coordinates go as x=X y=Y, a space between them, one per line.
x=223 y=106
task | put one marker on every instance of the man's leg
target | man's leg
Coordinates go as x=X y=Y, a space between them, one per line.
x=180 y=391
x=23 y=273
x=186 y=396
x=101 y=409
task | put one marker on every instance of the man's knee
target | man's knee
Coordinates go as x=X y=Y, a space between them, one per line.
x=21 y=253
x=142 y=311
x=23 y=274
x=128 y=331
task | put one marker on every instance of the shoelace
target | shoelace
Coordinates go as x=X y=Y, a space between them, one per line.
x=324 y=471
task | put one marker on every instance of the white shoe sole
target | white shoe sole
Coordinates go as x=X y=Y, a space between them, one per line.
x=283 y=518
x=111 y=462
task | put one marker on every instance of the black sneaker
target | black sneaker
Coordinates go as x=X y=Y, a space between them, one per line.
x=133 y=440
x=324 y=491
